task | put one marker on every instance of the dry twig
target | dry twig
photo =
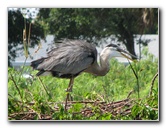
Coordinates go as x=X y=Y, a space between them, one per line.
x=152 y=83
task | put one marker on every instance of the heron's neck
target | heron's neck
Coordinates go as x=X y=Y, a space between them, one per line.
x=102 y=68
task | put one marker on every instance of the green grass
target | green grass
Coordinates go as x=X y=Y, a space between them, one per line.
x=115 y=86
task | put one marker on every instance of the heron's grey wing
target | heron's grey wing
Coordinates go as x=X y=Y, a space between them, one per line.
x=69 y=44
x=70 y=58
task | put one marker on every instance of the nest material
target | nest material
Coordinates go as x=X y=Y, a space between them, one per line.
x=122 y=107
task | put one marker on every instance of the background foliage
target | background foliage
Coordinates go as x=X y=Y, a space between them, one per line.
x=16 y=25
x=91 y=24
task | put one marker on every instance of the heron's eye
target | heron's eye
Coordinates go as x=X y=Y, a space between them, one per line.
x=113 y=48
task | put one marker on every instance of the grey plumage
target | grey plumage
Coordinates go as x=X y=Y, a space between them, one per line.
x=67 y=59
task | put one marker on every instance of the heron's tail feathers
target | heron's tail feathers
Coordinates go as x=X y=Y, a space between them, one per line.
x=35 y=63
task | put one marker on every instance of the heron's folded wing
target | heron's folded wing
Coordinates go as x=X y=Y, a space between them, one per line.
x=69 y=60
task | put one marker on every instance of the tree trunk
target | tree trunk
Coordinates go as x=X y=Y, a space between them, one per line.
x=130 y=45
x=126 y=35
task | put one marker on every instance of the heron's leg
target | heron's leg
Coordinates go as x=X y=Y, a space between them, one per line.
x=69 y=89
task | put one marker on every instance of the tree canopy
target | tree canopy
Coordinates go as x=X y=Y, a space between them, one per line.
x=95 y=23
x=16 y=25
x=91 y=24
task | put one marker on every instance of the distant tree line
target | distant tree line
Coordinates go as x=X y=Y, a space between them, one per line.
x=91 y=24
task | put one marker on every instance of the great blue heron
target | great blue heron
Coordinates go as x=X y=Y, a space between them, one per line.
x=71 y=57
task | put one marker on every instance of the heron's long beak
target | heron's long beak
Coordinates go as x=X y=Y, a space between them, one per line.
x=125 y=53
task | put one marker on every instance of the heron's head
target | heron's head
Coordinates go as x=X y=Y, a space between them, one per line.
x=115 y=51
